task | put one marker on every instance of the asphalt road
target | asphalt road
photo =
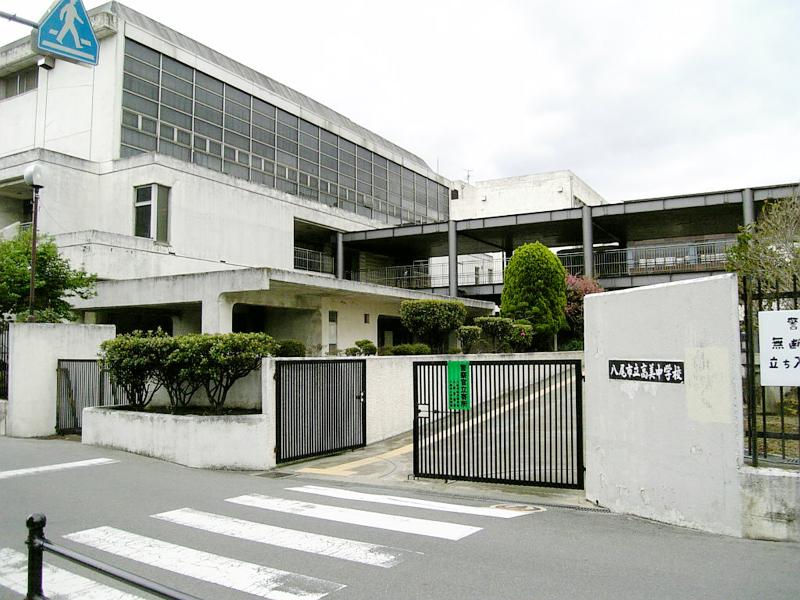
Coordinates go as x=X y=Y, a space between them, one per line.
x=368 y=553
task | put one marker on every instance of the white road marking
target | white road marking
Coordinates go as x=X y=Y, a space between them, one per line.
x=438 y=529
x=59 y=467
x=484 y=511
x=58 y=583
x=360 y=552
x=231 y=573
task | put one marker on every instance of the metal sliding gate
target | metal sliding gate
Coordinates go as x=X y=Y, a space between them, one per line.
x=516 y=422
x=81 y=384
x=321 y=407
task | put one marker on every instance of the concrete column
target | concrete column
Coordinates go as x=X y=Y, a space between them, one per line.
x=748 y=211
x=217 y=314
x=339 y=255
x=588 y=242
x=452 y=258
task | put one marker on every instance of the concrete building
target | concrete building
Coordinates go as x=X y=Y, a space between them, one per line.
x=208 y=197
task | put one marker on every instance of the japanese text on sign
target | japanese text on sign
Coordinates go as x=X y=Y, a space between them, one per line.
x=646 y=370
x=779 y=346
x=458 y=384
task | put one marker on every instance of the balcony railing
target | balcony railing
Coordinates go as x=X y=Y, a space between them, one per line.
x=624 y=262
x=312 y=260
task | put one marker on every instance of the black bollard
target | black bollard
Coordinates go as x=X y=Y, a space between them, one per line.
x=35 y=523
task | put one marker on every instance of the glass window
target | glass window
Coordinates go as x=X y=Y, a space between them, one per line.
x=309 y=141
x=142 y=52
x=346 y=169
x=327 y=161
x=309 y=167
x=328 y=137
x=263 y=136
x=364 y=164
x=329 y=175
x=237 y=110
x=138 y=139
x=237 y=140
x=347 y=145
x=214 y=85
x=176 y=85
x=262 y=150
x=287 y=131
x=139 y=104
x=171 y=65
x=287 y=118
x=286 y=159
x=205 y=97
x=167 y=131
x=209 y=114
x=237 y=95
x=237 y=125
x=151 y=206
x=204 y=160
x=130 y=119
x=182 y=103
x=309 y=154
x=286 y=145
x=208 y=130
x=176 y=118
x=263 y=108
x=140 y=69
x=267 y=123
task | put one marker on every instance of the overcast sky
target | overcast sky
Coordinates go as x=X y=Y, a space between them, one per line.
x=638 y=98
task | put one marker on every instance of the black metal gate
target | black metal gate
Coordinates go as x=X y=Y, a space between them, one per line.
x=523 y=424
x=4 y=359
x=81 y=384
x=321 y=407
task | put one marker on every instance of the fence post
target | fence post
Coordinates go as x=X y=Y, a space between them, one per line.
x=35 y=524
x=750 y=368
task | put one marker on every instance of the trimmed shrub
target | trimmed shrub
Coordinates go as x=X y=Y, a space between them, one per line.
x=132 y=360
x=408 y=349
x=290 y=348
x=520 y=338
x=175 y=370
x=432 y=320
x=223 y=359
x=366 y=347
x=352 y=351
x=496 y=330
x=468 y=336
x=534 y=289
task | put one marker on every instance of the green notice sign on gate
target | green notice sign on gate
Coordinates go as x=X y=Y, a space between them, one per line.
x=458 y=379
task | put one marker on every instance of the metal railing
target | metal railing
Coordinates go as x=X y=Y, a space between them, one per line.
x=312 y=260
x=37 y=544
x=622 y=262
x=772 y=413
x=649 y=260
x=81 y=384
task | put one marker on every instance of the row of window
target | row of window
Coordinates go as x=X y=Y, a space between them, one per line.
x=173 y=109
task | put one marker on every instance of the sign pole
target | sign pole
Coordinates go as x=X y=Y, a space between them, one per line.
x=32 y=295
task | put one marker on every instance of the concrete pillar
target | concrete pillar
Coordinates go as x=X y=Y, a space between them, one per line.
x=217 y=314
x=452 y=258
x=748 y=211
x=339 y=255
x=588 y=242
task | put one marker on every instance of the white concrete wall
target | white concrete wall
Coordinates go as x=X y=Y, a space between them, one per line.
x=34 y=350
x=3 y=412
x=522 y=194
x=18 y=122
x=771 y=504
x=212 y=442
x=663 y=451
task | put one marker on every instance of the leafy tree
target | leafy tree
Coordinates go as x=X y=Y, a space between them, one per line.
x=290 y=348
x=534 y=289
x=175 y=369
x=577 y=288
x=365 y=348
x=55 y=281
x=468 y=335
x=769 y=249
x=432 y=320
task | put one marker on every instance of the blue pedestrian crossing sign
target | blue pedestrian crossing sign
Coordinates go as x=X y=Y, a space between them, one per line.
x=66 y=31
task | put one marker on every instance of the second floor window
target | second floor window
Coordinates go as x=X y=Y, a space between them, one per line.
x=152 y=212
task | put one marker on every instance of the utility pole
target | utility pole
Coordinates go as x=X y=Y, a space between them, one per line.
x=33 y=177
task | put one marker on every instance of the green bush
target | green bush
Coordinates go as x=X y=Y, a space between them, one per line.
x=577 y=288
x=132 y=361
x=223 y=359
x=407 y=349
x=534 y=289
x=366 y=347
x=496 y=331
x=572 y=345
x=520 y=338
x=175 y=370
x=290 y=348
x=468 y=336
x=352 y=351
x=432 y=320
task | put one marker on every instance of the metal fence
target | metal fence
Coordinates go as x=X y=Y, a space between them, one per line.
x=321 y=407
x=772 y=418
x=523 y=424
x=312 y=260
x=81 y=384
x=4 y=357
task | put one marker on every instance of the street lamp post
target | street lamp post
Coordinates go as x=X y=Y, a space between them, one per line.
x=33 y=177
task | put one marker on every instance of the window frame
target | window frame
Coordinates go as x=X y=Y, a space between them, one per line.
x=159 y=203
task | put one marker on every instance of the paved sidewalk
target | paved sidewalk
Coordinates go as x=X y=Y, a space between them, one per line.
x=389 y=463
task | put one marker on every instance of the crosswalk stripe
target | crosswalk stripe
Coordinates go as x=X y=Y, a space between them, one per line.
x=58 y=467
x=484 y=511
x=360 y=552
x=57 y=582
x=439 y=529
x=235 y=574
